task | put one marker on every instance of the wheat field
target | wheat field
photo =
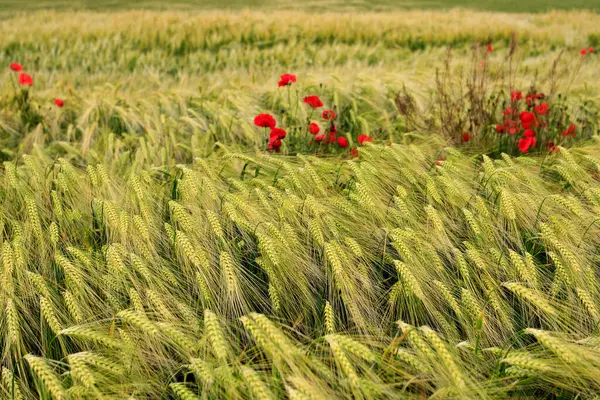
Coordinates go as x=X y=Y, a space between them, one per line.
x=152 y=249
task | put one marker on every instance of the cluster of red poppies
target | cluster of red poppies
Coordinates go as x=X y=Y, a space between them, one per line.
x=328 y=137
x=585 y=52
x=276 y=135
x=327 y=115
x=26 y=80
x=525 y=121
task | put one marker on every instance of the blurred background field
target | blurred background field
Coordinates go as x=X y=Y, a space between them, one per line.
x=314 y=6
x=137 y=64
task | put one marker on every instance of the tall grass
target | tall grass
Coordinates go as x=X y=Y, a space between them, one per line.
x=243 y=275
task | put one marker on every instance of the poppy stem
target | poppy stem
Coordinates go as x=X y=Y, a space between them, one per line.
x=289 y=92
x=296 y=110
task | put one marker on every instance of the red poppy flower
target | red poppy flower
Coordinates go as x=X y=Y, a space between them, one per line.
x=526 y=143
x=516 y=96
x=541 y=109
x=276 y=142
x=313 y=101
x=25 y=79
x=319 y=138
x=278 y=132
x=274 y=145
x=265 y=121
x=591 y=50
x=364 y=138
x=439 y=162
x=540 y=96
x=354 y=152
x=59 y=102
x=551 y=147
x=314 y=128
x=529 y=133
x=465 y=137
x=570 y=131
x=509 y=126
x=489 y=48
x=342 y=142
x=583 y=52
x=329 y=115
x=287 y=79
x=527 y=119
x=275 y=139
x=16 y=67
x=507 y=112
x=332 y=137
